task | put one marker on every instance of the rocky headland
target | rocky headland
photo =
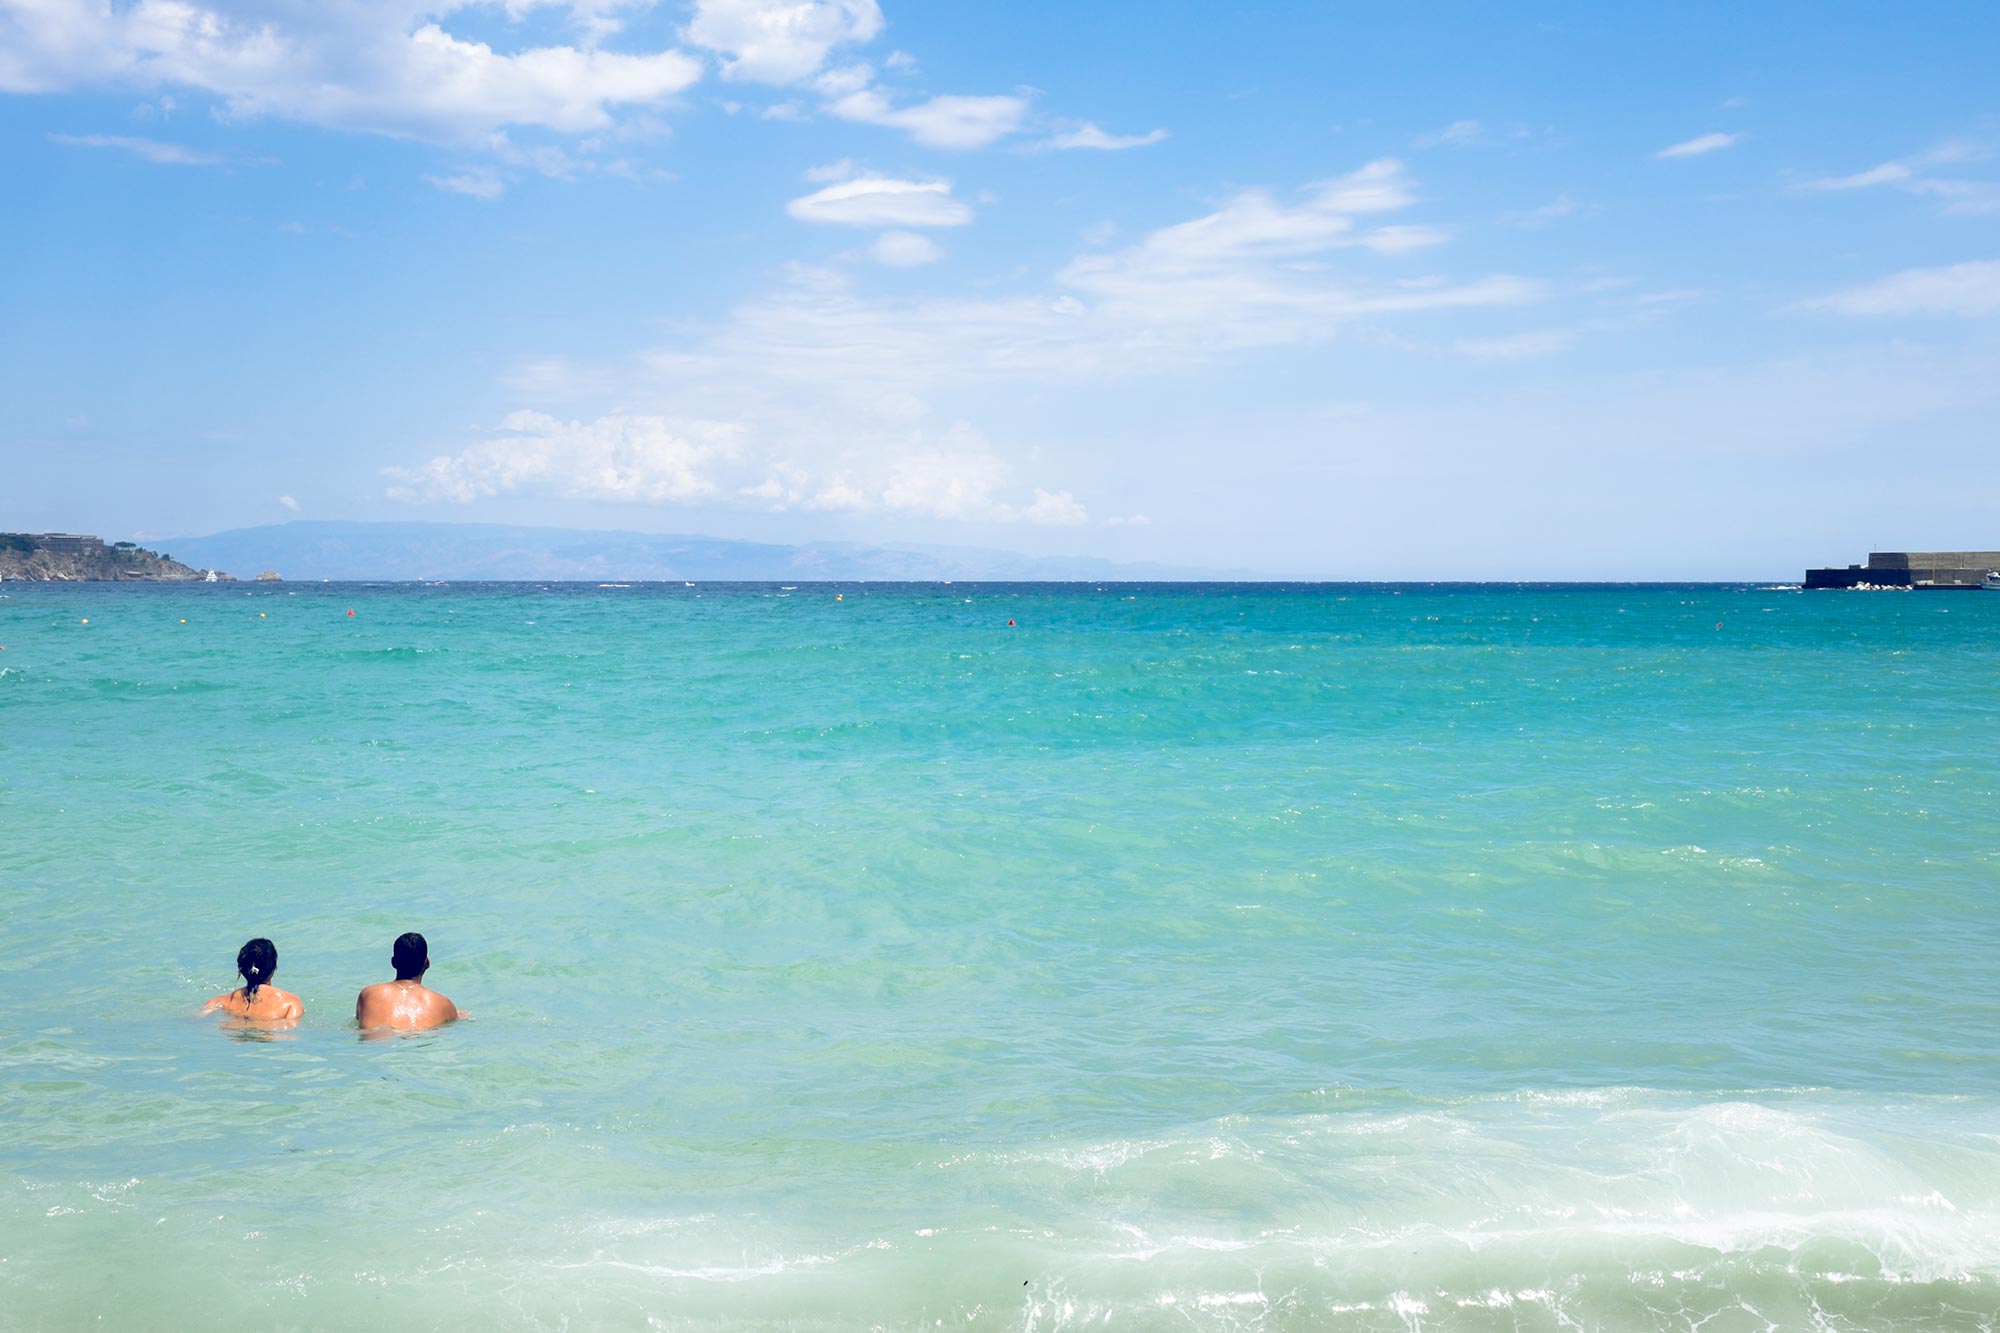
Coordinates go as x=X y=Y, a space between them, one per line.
x=63 y=557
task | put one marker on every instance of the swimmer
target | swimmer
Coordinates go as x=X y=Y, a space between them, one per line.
x=405 y=1002
x=258 y=1000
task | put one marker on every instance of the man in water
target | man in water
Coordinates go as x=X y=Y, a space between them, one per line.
x=405 y=1002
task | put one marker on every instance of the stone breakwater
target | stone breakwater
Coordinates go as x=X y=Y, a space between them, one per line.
x=1933 y=570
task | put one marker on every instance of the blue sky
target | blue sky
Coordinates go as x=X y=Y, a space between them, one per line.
x=1464 y=291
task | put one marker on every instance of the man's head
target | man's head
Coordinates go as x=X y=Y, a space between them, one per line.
x=411 y=956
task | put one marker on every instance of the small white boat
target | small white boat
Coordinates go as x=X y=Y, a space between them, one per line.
x=1992 y=581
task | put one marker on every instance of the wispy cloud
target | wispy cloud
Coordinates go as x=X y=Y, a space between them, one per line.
x=883 y=201
x=1560 y=207
x=819 y=396
x=1458 y=134
x=1918 y=175
x=1518 y=346
x=1970 y=290
x=1701 y=145
x=1088 y=136
x=152 y=150
x=948 y=121
x=904 y=249
x=485 y=185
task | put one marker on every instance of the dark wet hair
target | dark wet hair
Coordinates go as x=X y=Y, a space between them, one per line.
x=411 y=956
x=256 y=960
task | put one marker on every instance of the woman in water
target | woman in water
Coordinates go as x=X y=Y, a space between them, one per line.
x=257 y=1000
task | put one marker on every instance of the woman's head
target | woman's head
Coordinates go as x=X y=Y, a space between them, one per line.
x=256 y=960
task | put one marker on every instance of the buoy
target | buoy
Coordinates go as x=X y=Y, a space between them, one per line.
x=839 y=597
x=260 y=615
x=183 y=620
x=86 y=620
x=1010 y=624
x=350 y=611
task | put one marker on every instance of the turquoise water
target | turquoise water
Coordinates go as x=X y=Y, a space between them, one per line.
x=1336 y=957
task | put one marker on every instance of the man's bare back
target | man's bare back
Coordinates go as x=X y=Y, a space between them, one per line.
x=402 y=1004
x=405 y=1002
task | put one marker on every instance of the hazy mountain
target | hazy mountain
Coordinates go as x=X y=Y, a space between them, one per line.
x=460 y=551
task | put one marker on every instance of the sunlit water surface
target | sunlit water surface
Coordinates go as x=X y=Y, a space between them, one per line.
x=1330 y=957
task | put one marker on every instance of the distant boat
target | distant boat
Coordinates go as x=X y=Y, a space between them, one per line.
x=1992 y=581
x=210 y=577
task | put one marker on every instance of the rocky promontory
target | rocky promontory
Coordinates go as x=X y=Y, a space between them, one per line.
x=65 y=557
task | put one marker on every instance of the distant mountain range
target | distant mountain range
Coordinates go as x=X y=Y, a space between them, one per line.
x=465 y=551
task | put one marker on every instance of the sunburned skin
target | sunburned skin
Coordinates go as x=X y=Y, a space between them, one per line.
x=270 y=1005
x=407 y=1004
x=257 y=1002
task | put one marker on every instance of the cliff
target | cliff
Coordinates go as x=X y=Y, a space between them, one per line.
x=61 y=557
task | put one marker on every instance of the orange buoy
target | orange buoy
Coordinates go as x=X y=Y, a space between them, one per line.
x=350 y=610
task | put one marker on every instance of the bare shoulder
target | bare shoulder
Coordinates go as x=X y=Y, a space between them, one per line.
x=218 y=1002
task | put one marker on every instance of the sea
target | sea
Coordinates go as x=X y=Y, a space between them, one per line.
x=1038 y=957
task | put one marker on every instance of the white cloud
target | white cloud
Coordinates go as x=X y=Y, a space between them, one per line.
x=1916 y=175
x=1239 y=276
x=1059 y=508
x=844 y=169
x=942 y=122
x=904 y=249
x=289 y=503
x=1090 y=137
x=1517 y=347
x=882 y=201
x=953 y=474
x=632 y=458
x=1697 y=146
x=1889 y=173
x=389 y=67
x=1561 y=206
x=1970 y=290
x=152 y=150
x=478 y=184
x=834 y=399
x=1467 y=134
x=780 y=41
x=1458 y=134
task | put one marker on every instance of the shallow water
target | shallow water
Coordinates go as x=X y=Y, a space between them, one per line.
x=1371 y=957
